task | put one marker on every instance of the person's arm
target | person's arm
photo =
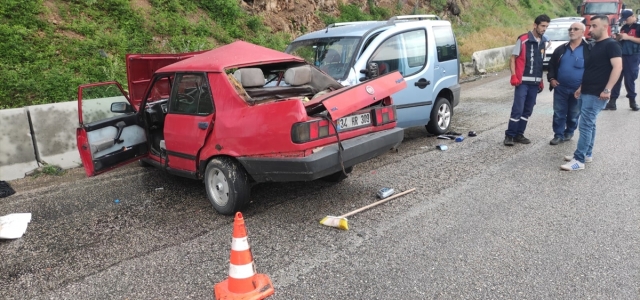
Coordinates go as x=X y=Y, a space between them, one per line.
x=616 y=63
x=512 y=65
x=553 y=67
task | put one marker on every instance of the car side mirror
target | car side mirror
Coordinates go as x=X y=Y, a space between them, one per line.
x=371 y=71
x=121 y=107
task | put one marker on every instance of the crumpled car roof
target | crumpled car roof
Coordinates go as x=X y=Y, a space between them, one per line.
x=236 y=54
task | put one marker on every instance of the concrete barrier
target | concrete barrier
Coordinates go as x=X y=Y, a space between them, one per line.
x=17 y=154
x=491 y=58
x=54 y=127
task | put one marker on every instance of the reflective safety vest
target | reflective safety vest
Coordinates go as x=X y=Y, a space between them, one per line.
x=529 y=62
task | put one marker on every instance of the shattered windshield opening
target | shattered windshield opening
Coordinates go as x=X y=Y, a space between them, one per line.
x=331 y=55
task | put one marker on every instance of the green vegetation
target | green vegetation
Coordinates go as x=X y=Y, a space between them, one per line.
x=49 y=47
x=50 y=170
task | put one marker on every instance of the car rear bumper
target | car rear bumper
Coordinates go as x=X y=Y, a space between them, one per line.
x=323 y=162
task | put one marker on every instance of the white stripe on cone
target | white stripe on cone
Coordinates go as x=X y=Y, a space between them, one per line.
x=240 y=244
x=242 y=271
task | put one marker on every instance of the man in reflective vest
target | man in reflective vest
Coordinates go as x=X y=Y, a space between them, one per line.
x=526 y=76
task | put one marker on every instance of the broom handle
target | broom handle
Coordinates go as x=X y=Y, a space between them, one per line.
x=376 y=203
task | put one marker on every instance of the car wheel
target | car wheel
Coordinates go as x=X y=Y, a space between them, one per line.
x=441 y=114
x=143 y=163
x=337 y=176
x=227 y=185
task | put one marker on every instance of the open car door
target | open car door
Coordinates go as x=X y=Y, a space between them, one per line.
x=110 y=133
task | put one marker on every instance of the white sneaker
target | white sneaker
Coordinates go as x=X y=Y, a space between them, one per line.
x=573 y=165
x=587 y=159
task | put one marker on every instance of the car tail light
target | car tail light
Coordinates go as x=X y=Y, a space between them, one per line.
x=312 y=130
x=384 y=115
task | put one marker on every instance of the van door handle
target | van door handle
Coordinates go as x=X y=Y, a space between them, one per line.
x=422 y=83
x=203 y=125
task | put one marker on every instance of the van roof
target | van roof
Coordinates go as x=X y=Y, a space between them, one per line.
x=359 y=28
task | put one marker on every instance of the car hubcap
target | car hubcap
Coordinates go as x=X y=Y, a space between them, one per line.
x=444 y=116
x=218 y=187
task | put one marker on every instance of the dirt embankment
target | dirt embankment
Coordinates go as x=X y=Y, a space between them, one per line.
x=296 y=17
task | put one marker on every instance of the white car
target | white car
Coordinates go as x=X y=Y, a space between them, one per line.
x=557 y=34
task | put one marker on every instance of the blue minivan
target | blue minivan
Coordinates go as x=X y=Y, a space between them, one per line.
x=422 y=48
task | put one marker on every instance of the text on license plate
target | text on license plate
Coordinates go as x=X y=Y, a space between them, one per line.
x=354 y=121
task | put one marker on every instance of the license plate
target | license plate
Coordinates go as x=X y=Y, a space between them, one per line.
x=353 y=121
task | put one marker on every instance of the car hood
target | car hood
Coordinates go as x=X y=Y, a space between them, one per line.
x=553 y=45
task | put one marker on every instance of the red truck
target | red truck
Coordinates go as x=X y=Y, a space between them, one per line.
x=233 y=116
x=610 y=8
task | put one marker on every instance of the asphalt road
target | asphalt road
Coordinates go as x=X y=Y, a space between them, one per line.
x=486 y=222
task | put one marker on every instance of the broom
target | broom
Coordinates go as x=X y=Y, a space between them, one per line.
x=341 y=221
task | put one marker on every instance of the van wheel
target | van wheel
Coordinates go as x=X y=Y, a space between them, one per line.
x=337 y=176
x=227 y=185
x=441 y=114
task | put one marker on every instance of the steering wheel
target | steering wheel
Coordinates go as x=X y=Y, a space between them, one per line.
x=186 y=98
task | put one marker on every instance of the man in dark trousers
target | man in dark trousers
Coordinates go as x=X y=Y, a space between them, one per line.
x=526 y=76
x=565 y=75
x=601 y=71
x=629 y=38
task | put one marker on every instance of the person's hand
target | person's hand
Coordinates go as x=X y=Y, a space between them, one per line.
x=515 y=81
x=554 y=83
x=541 y=86
x=623 y=36
x=576 y=94
x=604 y=96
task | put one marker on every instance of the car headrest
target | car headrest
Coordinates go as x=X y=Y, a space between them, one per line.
x=298 y=75
x=250 y=77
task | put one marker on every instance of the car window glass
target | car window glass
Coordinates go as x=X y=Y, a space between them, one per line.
x=191 y=95
x=445 y=43
x=405 y=52
x=97 y=101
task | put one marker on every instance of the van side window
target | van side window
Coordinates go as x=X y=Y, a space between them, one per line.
x=191 y=95
x=405 y=52
x=445 y=43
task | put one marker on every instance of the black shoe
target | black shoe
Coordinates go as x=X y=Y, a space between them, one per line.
x=567 y=137
x=610 y=107
x=556 y=140
x=508 y=141
x=635 y=107
x=521 y=139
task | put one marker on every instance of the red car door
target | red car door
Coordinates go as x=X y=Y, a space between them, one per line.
x=189 y=120
x=110 y=133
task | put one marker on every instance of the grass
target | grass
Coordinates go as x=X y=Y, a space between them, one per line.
x=50 y=48
x=50 y=170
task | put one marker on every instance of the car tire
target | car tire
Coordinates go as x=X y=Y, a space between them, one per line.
x=441 y=114
x=337 y=176
x=143 y=163
x=227 y=185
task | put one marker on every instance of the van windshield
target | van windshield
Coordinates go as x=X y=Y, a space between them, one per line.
x=557 y=33
x=332 y=55
x=604 y=8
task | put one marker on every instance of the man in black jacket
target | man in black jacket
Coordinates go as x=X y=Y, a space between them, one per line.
x=566 y=67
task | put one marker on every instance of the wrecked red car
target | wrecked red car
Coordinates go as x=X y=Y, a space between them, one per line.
x=233 y=116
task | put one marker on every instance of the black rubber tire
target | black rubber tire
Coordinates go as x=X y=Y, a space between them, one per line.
x=143 y=164
x=441 y=115
x=337 y=176
x=227 y=185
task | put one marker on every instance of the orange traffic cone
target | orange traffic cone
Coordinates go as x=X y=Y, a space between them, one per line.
x=243 y=282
